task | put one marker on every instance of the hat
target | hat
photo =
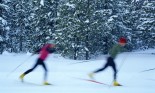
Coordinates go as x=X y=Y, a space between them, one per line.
x=122 y=40
x=51 y=42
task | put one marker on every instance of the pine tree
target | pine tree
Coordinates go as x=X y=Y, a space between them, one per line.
x=3 y=26
x=90 y=27
x=30 y=24
x=146 y=24
x=76 y=28
x=43 y=23
x=141 y=21
x=82 y=28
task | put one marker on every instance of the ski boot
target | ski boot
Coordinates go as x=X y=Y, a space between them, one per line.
x=22 y=77
x=115 y=83
x=46 y=83
x=91 y=75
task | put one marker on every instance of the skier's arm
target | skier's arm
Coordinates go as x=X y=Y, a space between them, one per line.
x=36 y=52
x=51 y=50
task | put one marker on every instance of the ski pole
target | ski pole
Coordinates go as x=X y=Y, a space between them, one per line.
x=19 y=65
x=148 y=70
x=79 y=62
x=122 y=62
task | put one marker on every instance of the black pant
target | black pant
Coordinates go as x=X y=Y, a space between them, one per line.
x=39 y=62
x=110 y=62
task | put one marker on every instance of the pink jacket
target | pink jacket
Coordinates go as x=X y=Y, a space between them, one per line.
x=44 y=51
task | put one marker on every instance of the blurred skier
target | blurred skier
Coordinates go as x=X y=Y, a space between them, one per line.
x=110 y=60
x=43 y=54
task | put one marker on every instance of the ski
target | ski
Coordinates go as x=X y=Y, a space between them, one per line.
x=97 y=82
x=94 y=81
x=35 y=84
x=30 y=83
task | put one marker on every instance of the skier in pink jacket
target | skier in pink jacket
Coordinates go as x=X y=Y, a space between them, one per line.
x=43 y=54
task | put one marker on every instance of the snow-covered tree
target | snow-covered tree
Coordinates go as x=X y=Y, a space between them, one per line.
x=142 y=21
x=43 y=21
x=31 y=23
x=81 y=28
x=90 y=27
x=146 y=24
x=3 y=25
x=75 y=31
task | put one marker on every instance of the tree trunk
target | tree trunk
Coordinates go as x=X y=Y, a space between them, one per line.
x=21 y=45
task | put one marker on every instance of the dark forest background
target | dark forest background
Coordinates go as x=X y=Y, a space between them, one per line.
x=80 y=28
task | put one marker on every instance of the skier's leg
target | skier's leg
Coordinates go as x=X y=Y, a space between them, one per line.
x=45 y=74
x=115 y=83
x=104 y=67
x=30 y=70
x=45 y=69
x=115 y=71
x=112 y=64
x=99 y=70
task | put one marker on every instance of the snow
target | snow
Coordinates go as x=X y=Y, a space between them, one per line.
x=111 y=18
x=4 y=22
x=135 y=1
x=87 y=21
x=6 y=1
x=4 y=6
x=142 y=25
x=63 y=73
x=70 y=5
x=7 y=28
x=42 y=2
x=1 y=38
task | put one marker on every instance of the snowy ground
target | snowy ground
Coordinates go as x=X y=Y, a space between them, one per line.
x=62 y=73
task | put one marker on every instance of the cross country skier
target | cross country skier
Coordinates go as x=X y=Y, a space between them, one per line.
x=110 y=60
x=43 y=54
